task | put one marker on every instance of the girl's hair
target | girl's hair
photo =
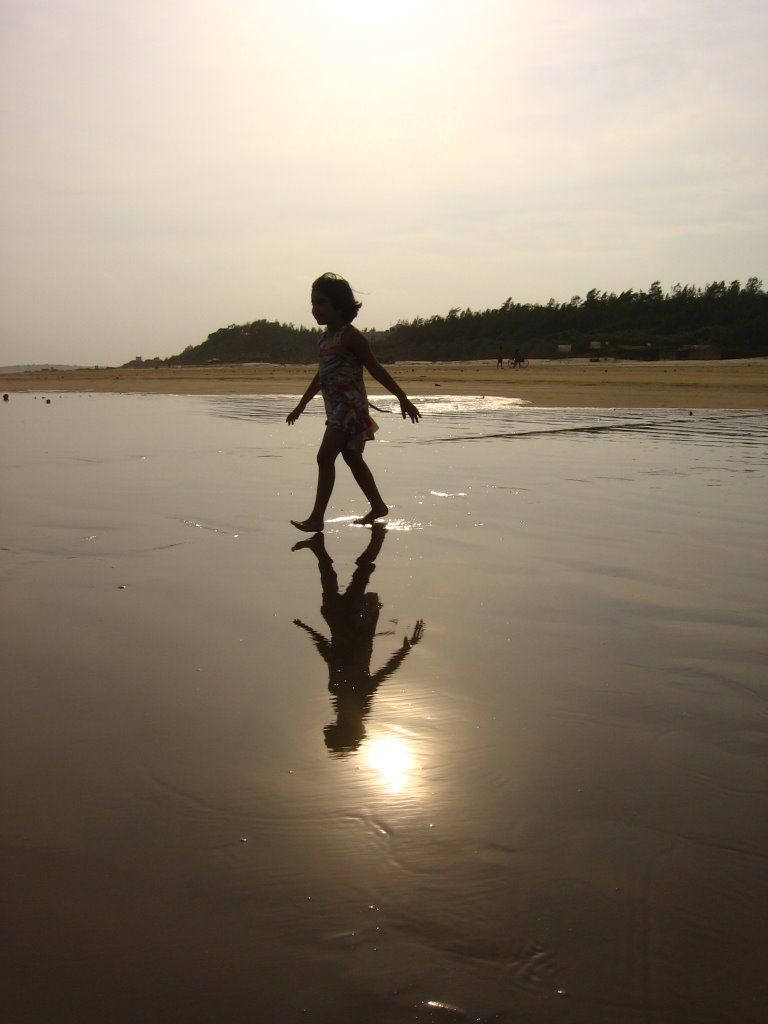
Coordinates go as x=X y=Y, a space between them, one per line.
x=340 y=294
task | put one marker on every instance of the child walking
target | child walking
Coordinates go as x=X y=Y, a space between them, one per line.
x=343 y=354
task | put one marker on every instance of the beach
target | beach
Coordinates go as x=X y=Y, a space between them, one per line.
x=732 y=384
x=499 y=759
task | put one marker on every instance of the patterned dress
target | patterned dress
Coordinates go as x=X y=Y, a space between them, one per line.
x=344 y=394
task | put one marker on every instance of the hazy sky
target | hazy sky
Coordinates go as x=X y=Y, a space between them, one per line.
x=173 y=166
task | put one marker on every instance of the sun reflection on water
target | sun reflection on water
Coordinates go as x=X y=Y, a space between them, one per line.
x=392 y=758
x=400 y=525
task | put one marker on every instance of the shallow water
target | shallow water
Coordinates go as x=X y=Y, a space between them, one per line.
x=504 y=760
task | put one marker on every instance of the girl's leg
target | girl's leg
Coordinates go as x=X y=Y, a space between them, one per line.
x=332 y=443
x=364 y=479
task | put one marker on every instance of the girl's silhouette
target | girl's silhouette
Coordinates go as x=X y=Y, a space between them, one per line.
x=343 y=354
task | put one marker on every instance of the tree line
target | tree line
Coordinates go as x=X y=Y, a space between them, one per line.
x=727 y=320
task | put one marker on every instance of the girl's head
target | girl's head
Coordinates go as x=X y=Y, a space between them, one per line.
x=332 y=290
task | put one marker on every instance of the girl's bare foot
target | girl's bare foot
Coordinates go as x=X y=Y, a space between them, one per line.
x=308 y=525
x=376 y=513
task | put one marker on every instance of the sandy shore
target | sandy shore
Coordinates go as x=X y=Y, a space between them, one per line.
x=734 y=384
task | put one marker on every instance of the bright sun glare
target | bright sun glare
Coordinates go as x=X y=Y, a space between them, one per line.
x=374 y=13
x=391 y=757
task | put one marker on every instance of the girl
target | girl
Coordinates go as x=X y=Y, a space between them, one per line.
x=343 y=354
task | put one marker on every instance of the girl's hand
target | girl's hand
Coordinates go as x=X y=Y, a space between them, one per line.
x=293 y=416
x=407 y=408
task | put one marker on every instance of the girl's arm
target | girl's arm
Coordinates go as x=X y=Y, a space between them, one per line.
x=356 y=343
x=306 y=398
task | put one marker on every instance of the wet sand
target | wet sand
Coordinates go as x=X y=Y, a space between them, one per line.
x=506 y=754
x=732 y=384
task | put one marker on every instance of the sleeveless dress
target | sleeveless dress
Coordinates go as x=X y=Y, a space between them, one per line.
x=344 y=394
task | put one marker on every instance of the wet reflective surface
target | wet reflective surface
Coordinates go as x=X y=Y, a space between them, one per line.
x=502 y=759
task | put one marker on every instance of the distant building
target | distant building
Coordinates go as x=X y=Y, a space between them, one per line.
x=698 y=352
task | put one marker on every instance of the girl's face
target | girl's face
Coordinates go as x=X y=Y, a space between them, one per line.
x=323 y=311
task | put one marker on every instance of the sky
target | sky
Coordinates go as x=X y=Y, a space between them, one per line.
x=169 y=167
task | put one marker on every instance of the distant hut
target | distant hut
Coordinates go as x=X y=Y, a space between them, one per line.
x=698 y=352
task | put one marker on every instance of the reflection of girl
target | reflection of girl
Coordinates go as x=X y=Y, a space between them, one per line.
x=343 y=354
x=352 y=618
